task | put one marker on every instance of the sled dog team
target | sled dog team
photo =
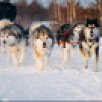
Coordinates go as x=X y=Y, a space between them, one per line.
x=69 y=37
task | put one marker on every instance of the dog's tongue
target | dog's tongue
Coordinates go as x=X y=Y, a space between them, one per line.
x=92 y=34
x=44 y=46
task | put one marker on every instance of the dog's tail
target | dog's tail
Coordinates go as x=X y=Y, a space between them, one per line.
x=4 y=22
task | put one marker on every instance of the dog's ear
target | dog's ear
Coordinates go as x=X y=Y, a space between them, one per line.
x=96 y=22
x=88 y=20
x=14 y=29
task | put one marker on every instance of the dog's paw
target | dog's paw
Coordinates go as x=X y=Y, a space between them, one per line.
x=17 y=64
x=86 y=67
x=70 y=62
x=96 y=71
x=41 y=69
x=63 y=61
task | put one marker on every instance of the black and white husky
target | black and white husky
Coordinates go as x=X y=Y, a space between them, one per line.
x=12 y=37
x=68 y=40
x=42 y=43
x=90 y=42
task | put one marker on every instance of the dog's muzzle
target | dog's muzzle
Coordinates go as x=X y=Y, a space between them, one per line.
x=4 y=42
x=44 y=44
x=92 y=35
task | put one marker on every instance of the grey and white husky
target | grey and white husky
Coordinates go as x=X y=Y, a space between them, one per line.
x=90 y=42
x=42 y=43
x=12 y=37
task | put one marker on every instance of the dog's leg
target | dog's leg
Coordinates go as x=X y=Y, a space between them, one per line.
x=14 y=56
x=85 y=57
x=65 y=53
x=47 y=58
x=86 y=62
x=39 y=59
x=40 y=63
x=72 y=54
x=96 y=58
x=62 y=52
x=21 y=54
x=8 y=57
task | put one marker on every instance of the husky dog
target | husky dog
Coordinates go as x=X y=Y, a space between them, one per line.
x=68 y=39
x=90 y=42
x=42 y=43
x=12 y=38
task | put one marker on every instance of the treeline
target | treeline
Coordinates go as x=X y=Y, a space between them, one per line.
x=55 y=12
x=73 y=12
x=32 y=12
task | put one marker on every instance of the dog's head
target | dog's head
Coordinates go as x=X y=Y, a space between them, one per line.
x=92 y=29
x=63 y=33
x=64 y=28
x=43 y=34
x=77 y=28
x=9 y=35
x=92 y=23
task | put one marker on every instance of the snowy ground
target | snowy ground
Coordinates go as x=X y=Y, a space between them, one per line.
x=57 y=82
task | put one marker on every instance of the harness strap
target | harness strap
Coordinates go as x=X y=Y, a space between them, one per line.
x=69 y=42
x=67 y=33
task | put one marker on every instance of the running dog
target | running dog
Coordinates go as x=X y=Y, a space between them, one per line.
x=68 y=40
x=90 y=42
x=42 y=43
x=12 y=38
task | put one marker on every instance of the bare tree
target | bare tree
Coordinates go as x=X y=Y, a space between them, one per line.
x=71 y=12
x=74 y=11
x=99 y=2
x=68 y=12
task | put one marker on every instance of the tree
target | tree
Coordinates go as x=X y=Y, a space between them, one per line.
x=99 y=2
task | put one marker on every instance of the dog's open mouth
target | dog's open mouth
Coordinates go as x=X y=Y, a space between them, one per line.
x=44 y=46
x=93 y=35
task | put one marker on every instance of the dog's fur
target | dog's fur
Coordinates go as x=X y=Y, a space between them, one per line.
x=89 y=42
x=4 y=22
x=12 y=38
x=42 y=43
x=68 y=42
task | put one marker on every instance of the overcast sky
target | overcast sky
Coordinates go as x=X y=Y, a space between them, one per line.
x=45 y=3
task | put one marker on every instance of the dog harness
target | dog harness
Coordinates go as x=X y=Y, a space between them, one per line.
x=66 y=33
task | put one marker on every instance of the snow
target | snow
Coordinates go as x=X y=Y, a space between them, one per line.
x=56 y=82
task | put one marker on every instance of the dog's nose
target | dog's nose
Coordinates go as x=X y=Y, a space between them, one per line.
x=4 y=42
x=91 y=32
x=44 y=43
